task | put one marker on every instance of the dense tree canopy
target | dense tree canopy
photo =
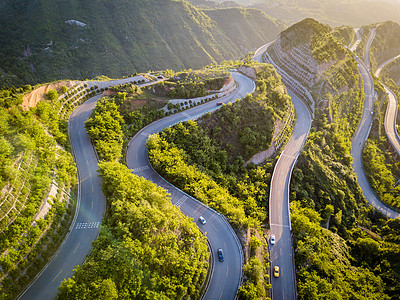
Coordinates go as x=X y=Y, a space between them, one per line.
x=147 y=248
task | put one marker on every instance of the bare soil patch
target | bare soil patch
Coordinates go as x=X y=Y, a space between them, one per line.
x=32 y=98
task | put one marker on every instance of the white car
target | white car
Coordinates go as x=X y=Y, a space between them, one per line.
x=202 y=220
x=272 y=240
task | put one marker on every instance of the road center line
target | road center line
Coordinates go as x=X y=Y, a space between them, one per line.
x=283 y=154
x=287 y=226
x=57 y=275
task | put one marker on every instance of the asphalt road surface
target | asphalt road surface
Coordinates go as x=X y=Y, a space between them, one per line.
x=281 y=254
x=357 y=41
x=390 y=121
x=91 y=206
x=226 y=276
x=368 y=46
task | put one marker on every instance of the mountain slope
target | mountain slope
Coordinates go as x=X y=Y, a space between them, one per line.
x=40 y=40
x=246 y=28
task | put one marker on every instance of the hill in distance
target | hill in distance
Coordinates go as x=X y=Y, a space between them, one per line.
x=332 y=12
x=46 y=40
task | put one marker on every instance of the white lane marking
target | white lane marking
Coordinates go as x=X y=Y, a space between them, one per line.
x=144 y=134
x=227 y=271
x=89 y=225
x=181 y=201
x=186 y=115
x=280 y=225
x=143 y=168
x=283 y=154
x=220 y=295
x=77 y=247
x=57 y=275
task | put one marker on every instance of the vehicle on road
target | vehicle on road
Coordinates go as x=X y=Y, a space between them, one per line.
x=220 y=255
x=202 y=220
x=272 y=239
x=276 y=271
x=219 y=103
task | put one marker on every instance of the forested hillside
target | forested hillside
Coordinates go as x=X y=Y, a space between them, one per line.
x=47 y=40
x=246 y=27
x=386 y=43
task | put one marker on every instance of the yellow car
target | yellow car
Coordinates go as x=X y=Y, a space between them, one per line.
x=276 y=271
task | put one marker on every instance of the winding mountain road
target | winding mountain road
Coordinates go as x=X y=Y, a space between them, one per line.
x=391 y=110
x=91 y=205
x=281 y=254
x=226 y=276
x=362 y=133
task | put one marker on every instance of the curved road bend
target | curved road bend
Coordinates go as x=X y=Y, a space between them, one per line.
x=391 y=111
x=380 y=68
x=226 y=276
x=90 y=209
x=359 y=139
x=354 y=46
x=367 y=47
x=281 y=254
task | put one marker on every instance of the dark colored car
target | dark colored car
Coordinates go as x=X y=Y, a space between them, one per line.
x=220 y=255
x=219 y=103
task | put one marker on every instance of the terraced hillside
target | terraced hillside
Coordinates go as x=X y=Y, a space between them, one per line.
x=38 y=187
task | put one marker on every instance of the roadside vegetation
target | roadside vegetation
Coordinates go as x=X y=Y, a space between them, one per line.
x=380 y=165
x=38 y=187
x=147 y=249
x=192 y=84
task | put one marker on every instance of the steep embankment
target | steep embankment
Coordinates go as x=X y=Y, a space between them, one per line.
x=42 y=41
